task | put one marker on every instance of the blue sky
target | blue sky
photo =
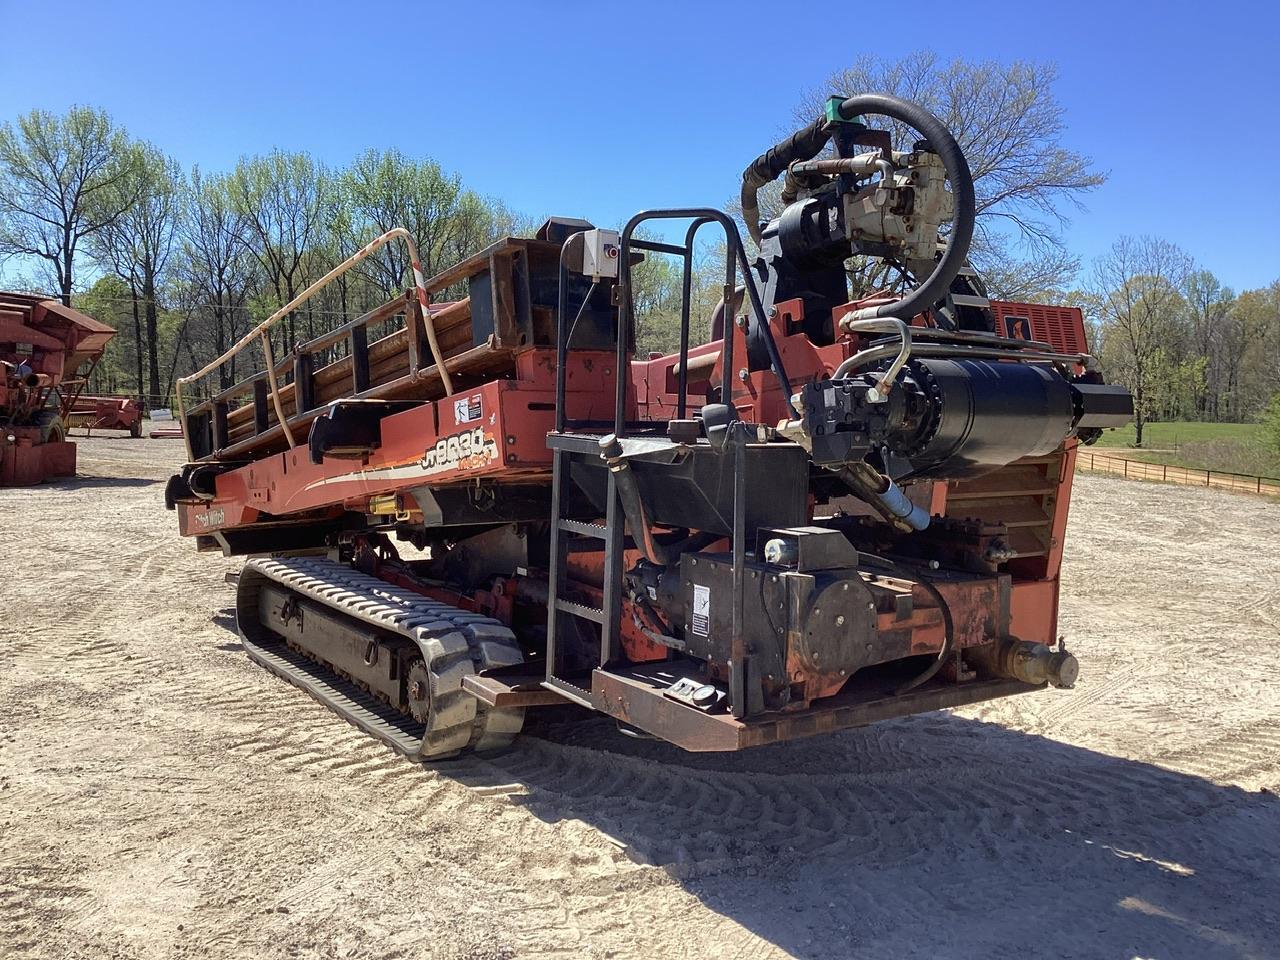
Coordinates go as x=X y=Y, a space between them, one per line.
x=598 y=110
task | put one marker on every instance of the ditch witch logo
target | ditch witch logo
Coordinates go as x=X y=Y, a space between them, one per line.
x=211 y=518
x=468 y=450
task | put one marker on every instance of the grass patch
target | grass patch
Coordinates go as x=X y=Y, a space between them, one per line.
x=1229 y=447
x=1165 y=436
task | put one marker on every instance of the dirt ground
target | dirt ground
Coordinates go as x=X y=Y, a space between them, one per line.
x=161 y=796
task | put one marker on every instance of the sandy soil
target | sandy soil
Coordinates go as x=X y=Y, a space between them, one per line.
x=160 y=796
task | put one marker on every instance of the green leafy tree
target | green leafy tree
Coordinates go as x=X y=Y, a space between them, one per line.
x=138 y=245
x=1209 y=307
x=217 y=271
x=282 y=197
x=657 y=291
x=1271 y=423
x=108 y=300
x=1138 y=286
x=386 y=189
x=1253 y=355
x=62 y=180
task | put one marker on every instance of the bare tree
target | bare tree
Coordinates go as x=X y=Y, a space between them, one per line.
x=218 y=268
x=138 y=243
x=1045 y=276
x=62 y=179
x=1138 y=285
x=1010 y=126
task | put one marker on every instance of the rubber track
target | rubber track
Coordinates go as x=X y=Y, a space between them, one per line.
x=454 y=643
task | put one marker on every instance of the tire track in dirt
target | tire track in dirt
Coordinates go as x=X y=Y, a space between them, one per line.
x=705 y=820
x=215 y=793
x=1249 y=755
x=1088 y=694
x=32 y=898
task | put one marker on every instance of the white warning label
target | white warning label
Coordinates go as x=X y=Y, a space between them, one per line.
x=701 y=610
x=468 y=409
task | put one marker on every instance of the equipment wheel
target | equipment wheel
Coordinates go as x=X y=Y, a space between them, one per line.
x=52 y=429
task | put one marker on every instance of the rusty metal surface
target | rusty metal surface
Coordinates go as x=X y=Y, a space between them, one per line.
x=43 y=348
x=105 y=413
x=522 y=691
x=635 y=699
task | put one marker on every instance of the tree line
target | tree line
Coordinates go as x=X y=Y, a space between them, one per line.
x=183 y=262
x=1187 y=347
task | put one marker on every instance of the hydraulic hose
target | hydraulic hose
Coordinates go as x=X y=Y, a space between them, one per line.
x=945 y=146
x=948 y=640
x=948 y=624
x=807 y=143
x=880 y=391
x=955 y=351
x=883 y=495
x=802 y=145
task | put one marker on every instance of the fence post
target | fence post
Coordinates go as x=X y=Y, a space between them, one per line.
x=1164 y=473
x=1126 y=468
x=1206 y=478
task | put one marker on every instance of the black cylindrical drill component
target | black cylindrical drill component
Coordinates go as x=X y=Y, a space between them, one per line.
x=969 y=417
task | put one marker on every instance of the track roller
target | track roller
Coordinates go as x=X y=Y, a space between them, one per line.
x=386 y=659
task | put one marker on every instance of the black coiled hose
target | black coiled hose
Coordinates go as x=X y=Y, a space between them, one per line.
x=802 y=145
x=808 y=143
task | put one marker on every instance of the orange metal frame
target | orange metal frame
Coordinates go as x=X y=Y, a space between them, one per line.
x=498 y=430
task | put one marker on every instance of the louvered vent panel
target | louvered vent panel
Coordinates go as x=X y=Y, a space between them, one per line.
x=1063 y=327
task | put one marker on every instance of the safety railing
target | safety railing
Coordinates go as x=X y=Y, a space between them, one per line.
x=1170 y=473
x=266 y=383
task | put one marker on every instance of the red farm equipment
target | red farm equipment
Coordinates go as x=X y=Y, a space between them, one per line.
x=838 y=509
x=47 y=352
x=92 y=413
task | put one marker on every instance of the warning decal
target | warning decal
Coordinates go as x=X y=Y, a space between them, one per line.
x=468 y=408
x=701 y=610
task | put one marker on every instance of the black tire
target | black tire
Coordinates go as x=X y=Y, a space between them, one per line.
x=52 y=429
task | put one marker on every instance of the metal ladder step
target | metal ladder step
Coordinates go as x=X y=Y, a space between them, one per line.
x=584 y=529
x=580 y=610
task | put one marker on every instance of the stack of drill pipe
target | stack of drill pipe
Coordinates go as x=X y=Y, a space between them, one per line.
x=389 y=367
x=391 y=374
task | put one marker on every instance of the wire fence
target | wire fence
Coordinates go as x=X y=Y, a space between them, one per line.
x=1188 y=476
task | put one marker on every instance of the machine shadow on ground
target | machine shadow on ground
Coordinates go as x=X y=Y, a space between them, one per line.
x=886 y=841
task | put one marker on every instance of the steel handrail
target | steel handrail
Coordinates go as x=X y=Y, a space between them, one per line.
x=262 y=331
